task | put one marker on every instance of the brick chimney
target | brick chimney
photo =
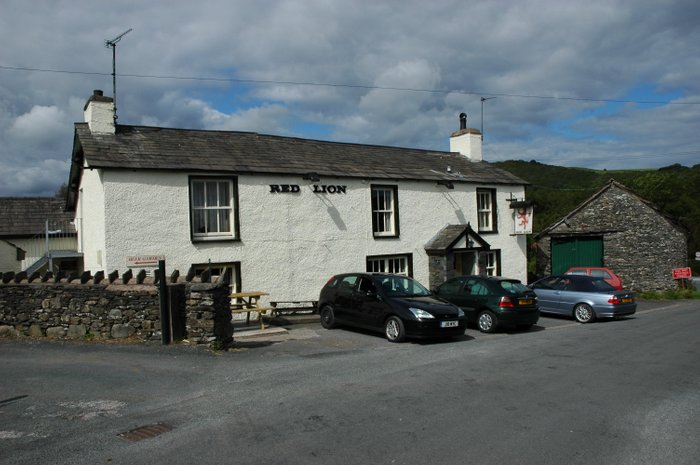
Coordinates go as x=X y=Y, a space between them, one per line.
x=99 y=113
x=466 y=141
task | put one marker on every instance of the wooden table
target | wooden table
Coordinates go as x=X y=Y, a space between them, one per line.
x=247 y=302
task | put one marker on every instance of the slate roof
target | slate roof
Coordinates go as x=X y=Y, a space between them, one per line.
x=151 y=148
x=611 y=183
x=450 y=235
x=26 y=216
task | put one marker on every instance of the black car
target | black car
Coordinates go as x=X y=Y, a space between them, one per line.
x=492 y=301
x=397 y=305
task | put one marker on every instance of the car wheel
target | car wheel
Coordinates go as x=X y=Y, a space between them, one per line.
x=394 y=330
x=584 y=313
x=486 y=321
x=327 y=317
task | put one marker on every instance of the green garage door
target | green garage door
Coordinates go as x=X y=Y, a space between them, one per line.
x=576 y=252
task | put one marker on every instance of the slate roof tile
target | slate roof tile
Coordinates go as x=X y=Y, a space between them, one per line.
x=26 y=216
x=142 y=147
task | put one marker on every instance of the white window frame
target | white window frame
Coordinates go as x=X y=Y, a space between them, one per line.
x=491 y=262
x=219 y=269
x=394 y=264
x=213 y=208
x=486 y=210
x=384 y=211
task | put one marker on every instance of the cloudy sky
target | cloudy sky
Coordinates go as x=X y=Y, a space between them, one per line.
x=601 y=84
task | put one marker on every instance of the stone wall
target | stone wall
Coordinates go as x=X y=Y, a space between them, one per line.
x=438 y=270
x=110 y=308
x=639 y=244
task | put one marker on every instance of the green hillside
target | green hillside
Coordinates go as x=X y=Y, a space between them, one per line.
x=557 y=190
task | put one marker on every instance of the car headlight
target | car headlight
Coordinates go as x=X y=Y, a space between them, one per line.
x=420 y=313
x=460 y=313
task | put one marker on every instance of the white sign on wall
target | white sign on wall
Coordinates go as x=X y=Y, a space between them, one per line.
x=144 y=261
x=523 y=220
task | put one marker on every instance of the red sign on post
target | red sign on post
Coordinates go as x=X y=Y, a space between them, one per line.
x=681 y=273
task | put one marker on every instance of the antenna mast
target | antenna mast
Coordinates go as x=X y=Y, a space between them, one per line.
x=483 y=99
x=113 y=43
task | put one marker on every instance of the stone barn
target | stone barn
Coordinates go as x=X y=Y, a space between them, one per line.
x=617 y=229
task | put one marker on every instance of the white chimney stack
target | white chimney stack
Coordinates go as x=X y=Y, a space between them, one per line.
x=99 y=113
x=466 y=141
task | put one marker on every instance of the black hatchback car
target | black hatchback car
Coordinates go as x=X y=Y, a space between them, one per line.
x=397 y=305
x=492 y=301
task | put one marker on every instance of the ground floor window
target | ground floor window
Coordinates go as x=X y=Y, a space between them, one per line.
x=230 y=270
x=395 y=264
x=490 y=263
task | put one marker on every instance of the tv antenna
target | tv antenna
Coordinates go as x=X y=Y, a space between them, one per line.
x=483 y=99
x=113 y=43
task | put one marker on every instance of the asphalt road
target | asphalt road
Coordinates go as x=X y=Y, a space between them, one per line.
x=615 y=392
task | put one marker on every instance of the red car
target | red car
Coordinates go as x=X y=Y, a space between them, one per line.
x=598 y=272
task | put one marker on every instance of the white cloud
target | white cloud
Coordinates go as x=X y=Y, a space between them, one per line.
x=39 y=127
x=597 y=49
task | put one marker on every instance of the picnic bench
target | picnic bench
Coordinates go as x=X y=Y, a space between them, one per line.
x=293 y=306
x=247 y=302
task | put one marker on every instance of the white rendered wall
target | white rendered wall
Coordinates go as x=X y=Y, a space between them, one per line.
x=100 y=117
x=468 y=144
x=290 y=243
x=90 y=221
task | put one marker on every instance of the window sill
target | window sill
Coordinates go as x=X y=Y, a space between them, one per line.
x=215 y=239
x=386 y=236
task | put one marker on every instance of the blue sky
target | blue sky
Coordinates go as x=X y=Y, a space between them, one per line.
x=569 y=78
x=644 y=97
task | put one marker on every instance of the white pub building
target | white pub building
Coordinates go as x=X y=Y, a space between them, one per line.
x=284 y=214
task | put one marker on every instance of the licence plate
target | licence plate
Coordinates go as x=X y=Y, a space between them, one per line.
x=627 y=300
x=525 y=301
x=449 y=324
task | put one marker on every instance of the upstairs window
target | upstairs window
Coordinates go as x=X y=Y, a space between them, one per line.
x=212 y=208
x=385 y=211
x=486 y=209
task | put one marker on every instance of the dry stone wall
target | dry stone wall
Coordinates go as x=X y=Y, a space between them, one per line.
x=640 y=244
x=110 y=307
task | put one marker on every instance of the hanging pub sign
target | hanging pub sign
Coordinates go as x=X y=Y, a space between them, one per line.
x=522 y=215
x=523 y=219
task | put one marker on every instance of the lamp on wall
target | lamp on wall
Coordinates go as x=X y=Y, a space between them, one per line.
x=313 y=177
x=447 y=184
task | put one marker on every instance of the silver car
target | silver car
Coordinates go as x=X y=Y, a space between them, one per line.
x=583 y=297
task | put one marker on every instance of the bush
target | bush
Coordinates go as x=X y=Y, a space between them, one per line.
x=675 y=294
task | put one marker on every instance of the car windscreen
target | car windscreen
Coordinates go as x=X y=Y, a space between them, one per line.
x=601 y=274
x=549 y=282
x=400 y=286
x=513 y=287
x=594 y=285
